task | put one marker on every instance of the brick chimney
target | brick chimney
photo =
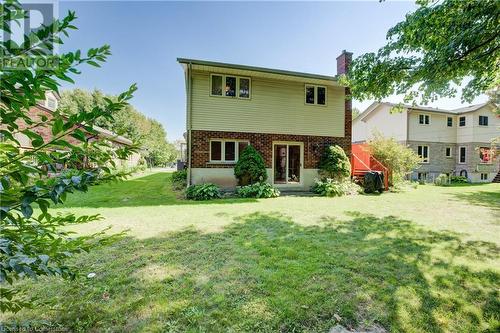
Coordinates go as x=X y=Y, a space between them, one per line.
x=343 y=62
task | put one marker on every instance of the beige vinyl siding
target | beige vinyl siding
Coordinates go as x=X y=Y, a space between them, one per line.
x=436 y=131
x=275 y=106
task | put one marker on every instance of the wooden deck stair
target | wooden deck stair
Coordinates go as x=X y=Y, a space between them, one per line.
x=497 y=178
x=363 y=162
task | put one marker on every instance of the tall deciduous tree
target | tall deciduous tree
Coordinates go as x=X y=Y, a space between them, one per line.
x=32 y=242
x=444 y=43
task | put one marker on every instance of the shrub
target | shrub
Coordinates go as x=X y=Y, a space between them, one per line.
x=399 y=159
x=458 y=179
x=442 y=180
x=334 y=163
x=179 y=179
x=206 y=191
x=250 y=167
x=334 y=188
x=258 y=190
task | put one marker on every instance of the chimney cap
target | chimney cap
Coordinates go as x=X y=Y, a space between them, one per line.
x=344 y=52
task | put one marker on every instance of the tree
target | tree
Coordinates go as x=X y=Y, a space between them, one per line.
x=334 y=163
x=400 y=159
x=34 y=244
x=128 y=121
x=440 y=45
x=355 y=113
x=250 y=167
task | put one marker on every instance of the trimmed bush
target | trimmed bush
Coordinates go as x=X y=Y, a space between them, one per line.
x=334 y=164
x=203 y=192
x=250 y=167
x=258 y=190
x=459 y=179
x=442 y=180
x=334 y=188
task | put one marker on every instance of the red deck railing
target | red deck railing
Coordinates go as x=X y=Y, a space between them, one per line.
x=362 y=162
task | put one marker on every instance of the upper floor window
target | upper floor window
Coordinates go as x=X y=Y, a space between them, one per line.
x=51 y=103
x=483 y=120
x=449 y=122
x=423 y=153
x=230 y=86
x=226 y=151
x=461 y=121
x=315 y=95
x=424 y=119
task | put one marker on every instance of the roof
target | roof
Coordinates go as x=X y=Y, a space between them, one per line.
x=256 y=69
x=462 y=110
x=112 y=136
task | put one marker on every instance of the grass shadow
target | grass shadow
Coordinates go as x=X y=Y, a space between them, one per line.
x=150 y=190
x=488 y=199
x=266 y=273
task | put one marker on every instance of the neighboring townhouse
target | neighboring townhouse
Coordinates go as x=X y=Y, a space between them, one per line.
x=289 y=117
x=448 y=141
x=47 y=107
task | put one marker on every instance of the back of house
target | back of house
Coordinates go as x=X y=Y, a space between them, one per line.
x=289 y=117
x=454 y=142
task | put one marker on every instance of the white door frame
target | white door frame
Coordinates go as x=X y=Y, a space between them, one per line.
x=289 y=143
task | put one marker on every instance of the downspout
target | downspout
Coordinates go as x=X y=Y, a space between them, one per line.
x=188 y=121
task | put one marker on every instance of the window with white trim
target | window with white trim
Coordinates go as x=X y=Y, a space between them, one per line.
x=230 y=86
x=423 y=153
x=422 y=176
x=449 y=152
x=461 y=121
x=315 y=95
x=461 y=155
x=484 y=176
x=226 y=151
x=424 y=119
x=483 y=120
x=449 y=121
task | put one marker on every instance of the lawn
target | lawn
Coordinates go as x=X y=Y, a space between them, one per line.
x=426 y=260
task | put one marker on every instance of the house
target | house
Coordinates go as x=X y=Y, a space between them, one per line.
x=289 y=117
x=454 y=142
x=47 y=107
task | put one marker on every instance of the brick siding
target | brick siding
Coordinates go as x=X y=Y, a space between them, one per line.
x=313 y=146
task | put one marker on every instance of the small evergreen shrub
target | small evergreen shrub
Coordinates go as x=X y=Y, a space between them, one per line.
x=442 y=180
x=203 y=192
x=250 y=167
x=258 y=190
x=459 y=179
x=335 y=188
x=334 y=164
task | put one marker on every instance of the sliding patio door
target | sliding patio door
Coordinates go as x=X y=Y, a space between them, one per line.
x=287 y=163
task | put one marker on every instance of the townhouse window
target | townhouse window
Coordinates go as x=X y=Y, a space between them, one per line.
x=485 y=154
x=448 y=152
x=461 y=155
x=449 y=121
x=484 y=176
x=423 y=153
x=461 y=121
x=230 y=86
x=483 y=120
x=422 y=176
x=226 y=151
x=315 y=95
x=424 y=119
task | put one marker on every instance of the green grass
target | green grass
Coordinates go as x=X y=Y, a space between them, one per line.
x=422 y=261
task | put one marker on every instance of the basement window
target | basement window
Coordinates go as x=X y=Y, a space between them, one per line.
x=226 y=151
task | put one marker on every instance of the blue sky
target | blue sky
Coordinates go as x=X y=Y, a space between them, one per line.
x=147 y=37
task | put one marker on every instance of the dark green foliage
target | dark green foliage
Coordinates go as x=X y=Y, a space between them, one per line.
x=179 y=179
x=439 y=46
x=32 y=244
x=250 y=168
x=203 y=192
x=334 y=163
x=459 y=179
x=334 y=188
x=442 y=180
x=258 y=190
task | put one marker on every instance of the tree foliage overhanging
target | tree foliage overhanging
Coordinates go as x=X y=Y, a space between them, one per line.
x=128 y=121
x=32 y=242
x=440 y=46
